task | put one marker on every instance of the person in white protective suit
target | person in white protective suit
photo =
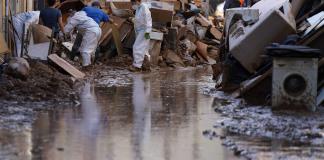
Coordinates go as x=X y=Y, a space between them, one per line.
x=90 y=31
x=143 y=28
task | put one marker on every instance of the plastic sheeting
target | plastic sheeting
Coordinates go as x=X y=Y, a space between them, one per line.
x=19 y=20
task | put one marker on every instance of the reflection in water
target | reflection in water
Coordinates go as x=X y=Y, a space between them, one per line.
x=160 y=116
x=141 y=115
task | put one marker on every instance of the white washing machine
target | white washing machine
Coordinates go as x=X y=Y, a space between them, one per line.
x=294 y=82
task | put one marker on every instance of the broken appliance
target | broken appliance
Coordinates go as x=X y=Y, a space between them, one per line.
x=274 y=24
x=294 y=77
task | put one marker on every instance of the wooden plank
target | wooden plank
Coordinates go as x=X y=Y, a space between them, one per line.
x=249 y=84
x=125 y=30
x=106 y=29
x=3 y=45
x=117 y=40
x=309 y=39
x=66 y=66
x=105 y=36
x=305 y=16
x=216 y=33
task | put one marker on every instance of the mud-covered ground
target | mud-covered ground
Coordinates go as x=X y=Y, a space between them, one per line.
x=253 y=132
x=44 y=89
x=244 y=123
x=47 y=87
x=44 y=83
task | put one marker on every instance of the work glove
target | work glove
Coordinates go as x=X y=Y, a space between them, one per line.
x=147 y=35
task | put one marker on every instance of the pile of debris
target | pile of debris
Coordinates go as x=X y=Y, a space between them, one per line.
x=181 y=37
x=278 y=43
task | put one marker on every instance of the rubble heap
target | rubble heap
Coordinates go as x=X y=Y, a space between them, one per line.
x=250 y=37
x=44 y=83
x=181 y=37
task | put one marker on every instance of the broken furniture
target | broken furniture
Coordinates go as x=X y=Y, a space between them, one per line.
x=119 y=33
x=294 y=77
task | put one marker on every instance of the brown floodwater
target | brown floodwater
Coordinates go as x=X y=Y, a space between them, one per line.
x=157 y=116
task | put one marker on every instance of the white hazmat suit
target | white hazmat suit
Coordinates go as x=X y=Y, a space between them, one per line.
x=143 y=24
x=90 y=31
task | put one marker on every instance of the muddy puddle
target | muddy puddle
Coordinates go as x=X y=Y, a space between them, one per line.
x=163 y=115
x=156 y=116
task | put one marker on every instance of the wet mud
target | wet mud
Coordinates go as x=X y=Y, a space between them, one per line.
x=165 y=114
x=45 y=89
x=258 y=132
x=44 y=83
x=151 y=116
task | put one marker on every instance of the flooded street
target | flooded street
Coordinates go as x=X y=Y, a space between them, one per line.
x=156 y=116
x=163 y=115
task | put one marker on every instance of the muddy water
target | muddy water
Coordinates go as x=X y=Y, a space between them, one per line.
x=157 y=116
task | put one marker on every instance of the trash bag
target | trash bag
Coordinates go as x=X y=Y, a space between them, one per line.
x=236 y=72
